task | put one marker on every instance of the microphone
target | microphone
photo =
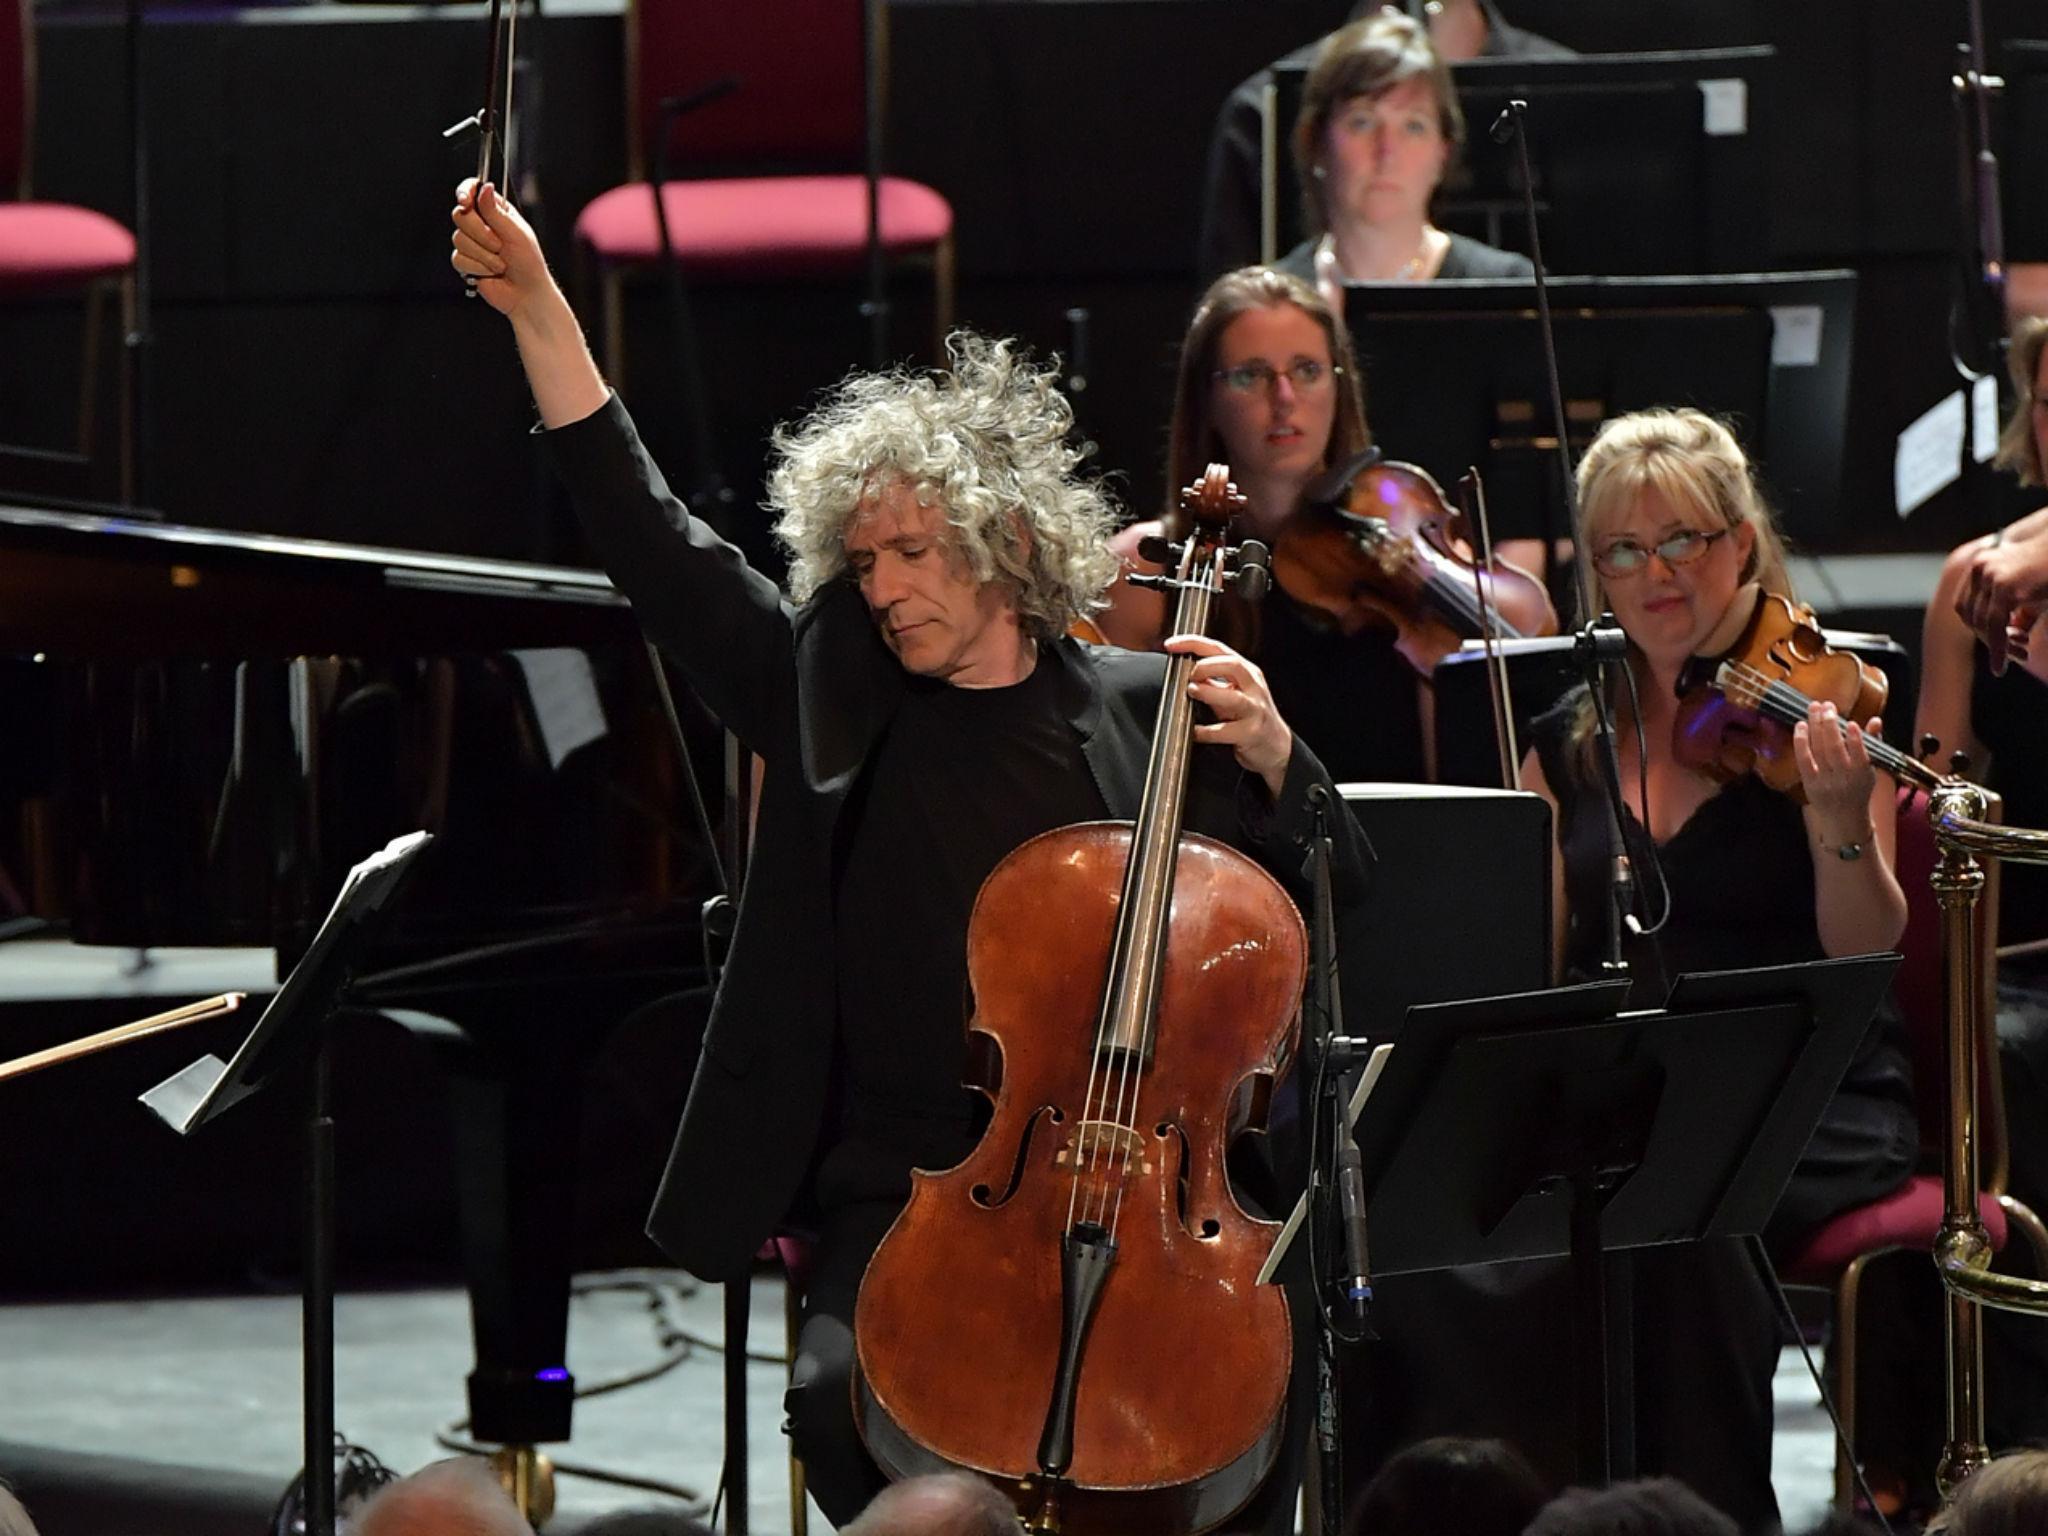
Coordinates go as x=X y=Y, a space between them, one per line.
x=1351 y=1207
x=1622 y=918
x=1503 y=127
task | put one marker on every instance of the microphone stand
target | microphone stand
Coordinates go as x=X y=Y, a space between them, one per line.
x=875 y=308
x=1335 y=1086
x=1977 y=314
x=1981 y=236
x=708 y=488
x=1589 y=643
x=137 y=339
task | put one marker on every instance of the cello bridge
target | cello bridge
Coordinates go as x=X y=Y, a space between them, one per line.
x=1104 y=1144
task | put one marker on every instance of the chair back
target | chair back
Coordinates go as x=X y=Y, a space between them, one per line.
x=802 y=70
x=1922 y=1004
x=17 y=95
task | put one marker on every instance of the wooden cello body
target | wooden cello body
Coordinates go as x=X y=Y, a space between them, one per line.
x=1073 y=1310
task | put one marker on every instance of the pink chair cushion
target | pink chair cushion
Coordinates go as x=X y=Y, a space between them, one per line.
x=794 y=1254
x=773 y=226
x=56 y=245
x=1907 y=1218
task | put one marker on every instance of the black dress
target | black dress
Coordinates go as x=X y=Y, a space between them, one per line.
x=1741 y=882
x=1352 y=698
x=1484 y=1351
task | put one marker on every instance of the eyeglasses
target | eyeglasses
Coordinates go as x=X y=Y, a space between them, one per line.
x=1246 y=377
x=1625 y=557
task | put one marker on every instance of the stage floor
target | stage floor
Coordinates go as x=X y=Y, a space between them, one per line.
x=200 y=1399
x=180 y=1415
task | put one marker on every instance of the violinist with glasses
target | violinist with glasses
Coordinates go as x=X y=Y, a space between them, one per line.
x=1267 y=382
x=1685 y=552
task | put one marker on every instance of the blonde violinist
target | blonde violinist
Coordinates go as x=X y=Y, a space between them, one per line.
x=1682 y=544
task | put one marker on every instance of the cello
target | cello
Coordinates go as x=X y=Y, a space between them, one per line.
x=1072 y=1311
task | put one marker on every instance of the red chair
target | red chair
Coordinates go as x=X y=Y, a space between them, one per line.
x=798 y=122
x=1834 y=1256
x=56 y=249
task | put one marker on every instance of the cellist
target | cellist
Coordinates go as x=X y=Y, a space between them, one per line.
x=920 y=712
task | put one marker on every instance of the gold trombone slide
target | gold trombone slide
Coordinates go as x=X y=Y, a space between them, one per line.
x=1962 y=1249
x=121 y=1034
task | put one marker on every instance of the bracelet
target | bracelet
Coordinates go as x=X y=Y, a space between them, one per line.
x=1848 y=853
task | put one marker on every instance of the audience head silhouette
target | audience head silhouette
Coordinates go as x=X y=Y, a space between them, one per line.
x=1657 y=1506
x=942 y=1504
x=2008 y=1497
x=462 y=1497
x=1473 y=1487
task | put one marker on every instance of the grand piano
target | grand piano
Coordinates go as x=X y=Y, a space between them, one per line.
x=202 y=731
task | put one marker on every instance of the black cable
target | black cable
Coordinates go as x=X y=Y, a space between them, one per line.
x=661 y=1289
x=1761 y=1258
x=1635 y=709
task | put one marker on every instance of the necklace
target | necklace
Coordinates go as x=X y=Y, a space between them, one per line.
x=1330 y=275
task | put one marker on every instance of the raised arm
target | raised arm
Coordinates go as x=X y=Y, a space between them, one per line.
x=495 y=245
x=722 y=622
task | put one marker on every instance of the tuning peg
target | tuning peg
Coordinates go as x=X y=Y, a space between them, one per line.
x=1929 y=745
x=1959 y=764
x=1157 y=550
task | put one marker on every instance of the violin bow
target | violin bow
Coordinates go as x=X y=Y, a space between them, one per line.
x=1472 y=502
x=493 y=122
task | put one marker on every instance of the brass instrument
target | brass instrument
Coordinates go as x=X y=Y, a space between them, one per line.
x=1962 y=1250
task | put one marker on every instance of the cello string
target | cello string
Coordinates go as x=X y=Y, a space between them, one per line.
x=1191 y=617
x=1095 y=1114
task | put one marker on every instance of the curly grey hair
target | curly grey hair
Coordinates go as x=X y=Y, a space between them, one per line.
x=986 y=442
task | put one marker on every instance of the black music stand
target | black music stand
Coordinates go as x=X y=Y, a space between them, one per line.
x=289 y=1039
x=1550 y=1125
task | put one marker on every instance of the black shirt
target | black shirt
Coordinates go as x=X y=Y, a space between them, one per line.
x=963 y=777
x=1351 y=698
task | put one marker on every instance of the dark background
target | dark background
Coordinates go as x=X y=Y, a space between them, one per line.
x=315 y=370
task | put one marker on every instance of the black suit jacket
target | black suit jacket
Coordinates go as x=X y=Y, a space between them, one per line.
x=810 y=689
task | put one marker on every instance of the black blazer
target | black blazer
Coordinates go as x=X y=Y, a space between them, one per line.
x=810 y=690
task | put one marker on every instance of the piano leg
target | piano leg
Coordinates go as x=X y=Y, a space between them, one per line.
x=517 y=1121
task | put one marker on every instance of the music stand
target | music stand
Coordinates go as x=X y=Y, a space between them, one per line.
x=1550 y=1125
x=290 y=1037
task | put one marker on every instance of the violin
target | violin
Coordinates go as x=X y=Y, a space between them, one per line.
x=1376 y=546
x=1761 y=668
x=1073 y=1312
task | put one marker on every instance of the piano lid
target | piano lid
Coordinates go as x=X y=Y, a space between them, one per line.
x=73 y=584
